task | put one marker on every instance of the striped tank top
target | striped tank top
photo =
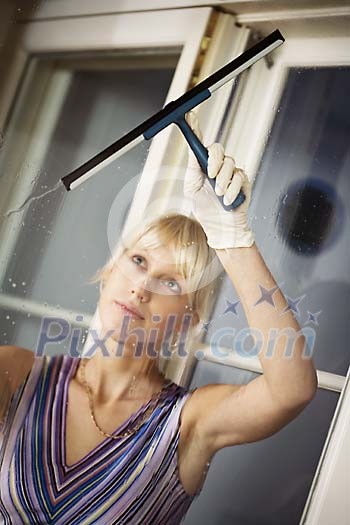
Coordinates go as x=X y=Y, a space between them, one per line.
x=131 y=480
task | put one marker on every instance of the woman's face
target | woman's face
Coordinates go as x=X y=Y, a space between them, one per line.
x=146 y=281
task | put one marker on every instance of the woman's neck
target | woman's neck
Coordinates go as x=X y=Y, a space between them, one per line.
x=110 y=378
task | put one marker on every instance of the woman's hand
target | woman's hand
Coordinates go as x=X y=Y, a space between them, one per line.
x=224 y=229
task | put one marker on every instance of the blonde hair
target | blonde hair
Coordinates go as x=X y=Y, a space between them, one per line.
x=194 y=259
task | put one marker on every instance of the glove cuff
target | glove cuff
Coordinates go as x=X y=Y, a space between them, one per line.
x=240 y=239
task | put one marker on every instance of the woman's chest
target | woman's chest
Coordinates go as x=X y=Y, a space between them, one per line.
x=82 y=436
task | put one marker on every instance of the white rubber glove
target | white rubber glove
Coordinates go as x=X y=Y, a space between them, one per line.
x=224 y=229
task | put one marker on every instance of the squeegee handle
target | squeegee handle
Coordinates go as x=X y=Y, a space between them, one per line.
x=201 y=154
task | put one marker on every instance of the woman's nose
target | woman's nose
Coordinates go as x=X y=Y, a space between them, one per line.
x=141 y=289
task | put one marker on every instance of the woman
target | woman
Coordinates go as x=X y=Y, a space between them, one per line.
x=109 y=439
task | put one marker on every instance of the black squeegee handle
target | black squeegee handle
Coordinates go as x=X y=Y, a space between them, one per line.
x=201 y=154
x=176 y=115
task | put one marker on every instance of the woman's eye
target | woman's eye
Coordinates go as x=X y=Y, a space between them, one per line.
x=137 y=257
x=175 y=286
x=171 y=284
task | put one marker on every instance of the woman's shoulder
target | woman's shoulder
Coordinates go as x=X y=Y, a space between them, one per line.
x=28 y=367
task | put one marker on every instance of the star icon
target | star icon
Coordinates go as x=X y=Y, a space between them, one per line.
x=293 y=304
x=266 y=295
x=231 y=307
x=313 y=317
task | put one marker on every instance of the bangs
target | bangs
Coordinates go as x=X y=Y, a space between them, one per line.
x=194 y=260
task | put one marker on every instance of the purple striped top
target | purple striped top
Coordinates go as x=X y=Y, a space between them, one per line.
x=131 y=480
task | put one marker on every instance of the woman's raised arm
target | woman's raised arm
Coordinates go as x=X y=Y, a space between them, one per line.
x=291 y=378
x=225 y=415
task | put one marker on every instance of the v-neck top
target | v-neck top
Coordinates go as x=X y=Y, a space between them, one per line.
x=129 y=480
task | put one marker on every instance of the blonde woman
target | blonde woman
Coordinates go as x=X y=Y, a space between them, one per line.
x=109 y=439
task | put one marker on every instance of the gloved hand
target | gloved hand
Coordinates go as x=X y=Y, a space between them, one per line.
x=224 y=229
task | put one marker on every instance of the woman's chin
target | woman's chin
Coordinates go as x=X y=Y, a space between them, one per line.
x=114 y=322
x=109 y=322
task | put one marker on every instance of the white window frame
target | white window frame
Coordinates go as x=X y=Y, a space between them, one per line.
x=126 y=31
x=265 y=10
x=153 y=29
x=261 y=96
x=324 y=503
x=130 y=30
x=172 y=29
x=327 y=500
x=64 y=8
x=249 y=126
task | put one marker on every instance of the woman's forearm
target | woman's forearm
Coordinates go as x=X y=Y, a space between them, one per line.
x=291 y=377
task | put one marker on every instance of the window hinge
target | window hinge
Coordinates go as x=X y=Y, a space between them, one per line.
x=203 y=48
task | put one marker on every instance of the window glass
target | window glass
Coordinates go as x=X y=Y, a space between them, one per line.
x=300 y=213
x=62 y=238
x=266 y=482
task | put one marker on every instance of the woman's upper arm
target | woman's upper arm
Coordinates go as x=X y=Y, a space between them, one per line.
x=229 y=415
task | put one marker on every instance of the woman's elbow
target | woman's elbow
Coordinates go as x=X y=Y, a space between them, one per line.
x=309 y=388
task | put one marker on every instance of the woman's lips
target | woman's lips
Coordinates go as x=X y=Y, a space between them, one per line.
x=127 y=311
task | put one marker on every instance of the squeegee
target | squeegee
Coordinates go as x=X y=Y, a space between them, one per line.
x=174 y=113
